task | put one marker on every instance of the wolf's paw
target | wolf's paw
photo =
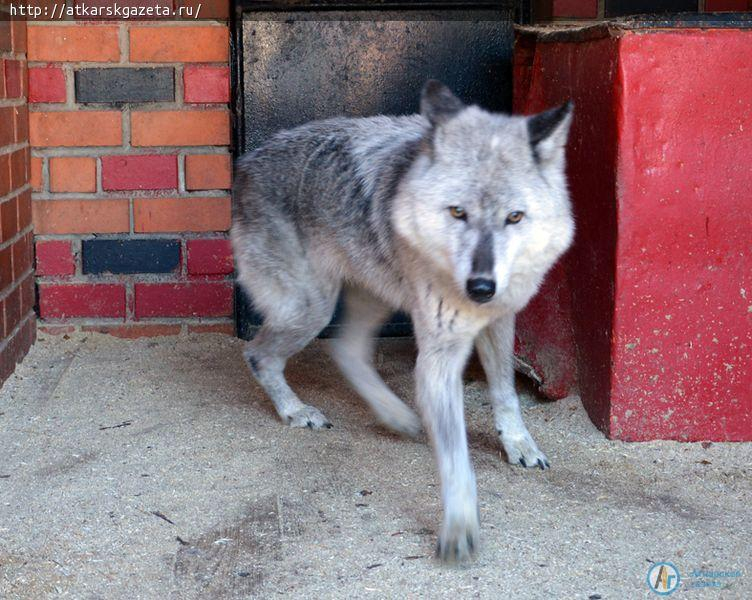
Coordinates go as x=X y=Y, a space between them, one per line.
x=460 y=536
x=522 y=450
x=308 y=416
x=399 y=418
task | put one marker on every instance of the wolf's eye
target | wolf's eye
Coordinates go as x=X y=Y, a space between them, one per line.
x=515 y=217
x=458 y=212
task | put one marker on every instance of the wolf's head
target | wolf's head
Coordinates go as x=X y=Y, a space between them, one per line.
x=486 y=200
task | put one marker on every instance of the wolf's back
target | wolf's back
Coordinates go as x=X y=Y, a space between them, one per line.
x=335 y=176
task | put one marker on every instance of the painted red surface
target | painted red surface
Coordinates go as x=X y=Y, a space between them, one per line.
x=581 y=9
x=143 y=172
x=683 y=334
x=55 y=257
x=726 y=5
x=198 y=299
x=14 y=78
x=66 y=301
x=549 y=75
x=46 y=84
x=206 y=84
x=545 y=340
x=660 y=275
x=209 y=257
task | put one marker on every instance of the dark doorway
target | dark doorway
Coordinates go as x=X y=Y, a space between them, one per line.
x=299 y=61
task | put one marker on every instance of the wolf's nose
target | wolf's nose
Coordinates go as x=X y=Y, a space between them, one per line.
x=480 y=290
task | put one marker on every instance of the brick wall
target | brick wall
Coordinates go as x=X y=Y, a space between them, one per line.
x=546 y=10
x=130 y=132
x=17 y=321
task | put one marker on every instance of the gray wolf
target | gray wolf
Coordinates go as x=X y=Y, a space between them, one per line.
x=453 y=215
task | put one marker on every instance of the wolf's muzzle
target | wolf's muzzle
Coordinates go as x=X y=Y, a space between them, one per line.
x=480 y=290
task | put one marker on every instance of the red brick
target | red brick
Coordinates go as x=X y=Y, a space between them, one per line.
x=8 y=219
x=208 y=171
x=197 y=43
x=135 y=331
x=577 y=9
x=75 y=128
x=14 y=78
x=180 y=128
x=21 y=114
x=73 y=43
x=65 y=301
x=46 y=84
x=36 y=173
x=6 y=266
x=181 y=214
x=55 y=257
x=73 y=174
x=27 y=294
x=19 y=161
x=19 y=37
x=12 y=305
x=7 y=125
x=150 y=172
x=209 y=257
x=6 y=43
x=205 y=299
x=81 y=216
x=17 y=347
x=206 y=84
x=24 y=210
x=22 y=256
x=4 y=174
x=224 y=328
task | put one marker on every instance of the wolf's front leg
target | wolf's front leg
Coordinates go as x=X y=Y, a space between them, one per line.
x=439 y=395
x=496 y=350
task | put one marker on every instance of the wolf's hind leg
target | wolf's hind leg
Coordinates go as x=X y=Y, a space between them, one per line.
x=353 y=352
x=278 y=339
x=495 y=347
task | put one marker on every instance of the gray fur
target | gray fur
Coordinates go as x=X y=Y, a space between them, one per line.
x=363 y=205
x=483 y=257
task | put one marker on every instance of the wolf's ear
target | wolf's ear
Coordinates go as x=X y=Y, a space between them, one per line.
x=548 y=132
x=437 y=103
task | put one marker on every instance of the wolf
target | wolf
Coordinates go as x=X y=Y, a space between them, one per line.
x=453 y=215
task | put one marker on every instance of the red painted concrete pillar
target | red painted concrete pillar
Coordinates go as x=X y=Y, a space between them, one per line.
x=660 y=275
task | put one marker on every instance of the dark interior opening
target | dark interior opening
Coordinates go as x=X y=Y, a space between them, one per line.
x=300 y=61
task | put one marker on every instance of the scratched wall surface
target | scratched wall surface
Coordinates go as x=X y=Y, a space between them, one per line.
x=660 y=275
x=683 y=330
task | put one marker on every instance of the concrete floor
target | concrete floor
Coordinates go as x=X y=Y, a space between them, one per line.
x=156 y=469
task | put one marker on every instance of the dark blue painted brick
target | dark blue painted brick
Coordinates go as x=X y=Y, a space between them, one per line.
x=130 y=256
x=125 y=84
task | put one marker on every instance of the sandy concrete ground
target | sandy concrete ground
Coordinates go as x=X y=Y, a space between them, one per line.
x=155 y=469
